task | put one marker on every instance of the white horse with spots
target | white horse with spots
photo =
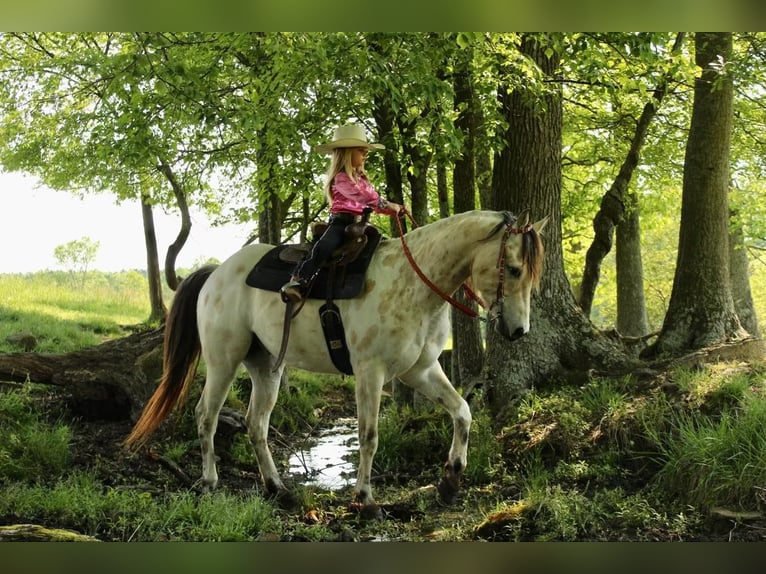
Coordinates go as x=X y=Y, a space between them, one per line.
x=397 y=327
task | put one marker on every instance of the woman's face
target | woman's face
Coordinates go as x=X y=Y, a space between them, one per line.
x=358 y=156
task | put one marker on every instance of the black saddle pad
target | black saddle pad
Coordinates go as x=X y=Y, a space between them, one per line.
x=270 y=273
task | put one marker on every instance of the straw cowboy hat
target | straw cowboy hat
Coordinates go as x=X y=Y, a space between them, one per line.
x=351 y=135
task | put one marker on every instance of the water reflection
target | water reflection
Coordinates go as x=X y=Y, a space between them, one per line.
x=323 y=461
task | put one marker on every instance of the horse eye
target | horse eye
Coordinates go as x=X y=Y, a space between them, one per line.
x=514 y=272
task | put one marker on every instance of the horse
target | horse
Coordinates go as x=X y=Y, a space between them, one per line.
x=395 y=328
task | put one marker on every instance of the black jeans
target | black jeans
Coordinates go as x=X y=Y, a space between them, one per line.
x=331 y=239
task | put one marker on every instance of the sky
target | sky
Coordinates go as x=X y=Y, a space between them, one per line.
x=34 y=220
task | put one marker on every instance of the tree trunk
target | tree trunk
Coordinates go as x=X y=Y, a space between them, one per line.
x=183 y=234
x=632 y=319
x=270 y=207
x=701 y=309
x=153 y=275
x=394 y=188
x=528 y=173
x=38 y=533
x=442 y=189
x=419 y=159
x=468 y=345
x=739 y=272
x=107 y=381
x=613 y=203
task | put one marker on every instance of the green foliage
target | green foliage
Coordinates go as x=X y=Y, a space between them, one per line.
x=233 y=117
x=31 y=450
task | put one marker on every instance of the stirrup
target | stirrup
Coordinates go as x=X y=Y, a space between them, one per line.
x=292 y=292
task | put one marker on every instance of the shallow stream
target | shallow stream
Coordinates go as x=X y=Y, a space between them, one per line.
x=323 y=461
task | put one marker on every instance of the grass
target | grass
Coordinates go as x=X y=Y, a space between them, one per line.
x=31 y=449
x=65 y=319
x=80 y=502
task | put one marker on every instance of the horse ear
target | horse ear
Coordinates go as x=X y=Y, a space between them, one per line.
x=538 y=226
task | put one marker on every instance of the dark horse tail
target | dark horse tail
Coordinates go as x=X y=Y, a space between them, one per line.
x=180 y=358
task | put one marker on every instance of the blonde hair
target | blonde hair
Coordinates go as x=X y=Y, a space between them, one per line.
x=340 y=161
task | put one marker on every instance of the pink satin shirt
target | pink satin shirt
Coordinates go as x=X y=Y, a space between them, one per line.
x=350 y=197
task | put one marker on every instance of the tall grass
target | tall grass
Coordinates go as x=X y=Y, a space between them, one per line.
x=64 y=319
x=30 y=448
x=717 y=461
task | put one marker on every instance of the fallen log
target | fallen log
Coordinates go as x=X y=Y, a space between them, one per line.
x=37 y=533
x=107 y=381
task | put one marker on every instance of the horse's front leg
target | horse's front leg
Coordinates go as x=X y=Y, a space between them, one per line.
x=434 y=384
x=368 y=394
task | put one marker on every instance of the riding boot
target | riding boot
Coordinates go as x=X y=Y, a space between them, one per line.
x=293 y=290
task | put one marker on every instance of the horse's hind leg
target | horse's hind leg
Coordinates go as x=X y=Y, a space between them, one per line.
x=263 y=397
x=434 y=384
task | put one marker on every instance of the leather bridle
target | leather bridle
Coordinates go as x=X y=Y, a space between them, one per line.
x=509 y=230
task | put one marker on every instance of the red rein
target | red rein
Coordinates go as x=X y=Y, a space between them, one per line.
x=457 y=304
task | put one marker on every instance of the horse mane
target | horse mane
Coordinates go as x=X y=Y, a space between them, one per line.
x=532 y=250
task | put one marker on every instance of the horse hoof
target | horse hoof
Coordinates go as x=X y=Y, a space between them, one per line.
x=448 y=489
x=369 y=511
x=285 y=499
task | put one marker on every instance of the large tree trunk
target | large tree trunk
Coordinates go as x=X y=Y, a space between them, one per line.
x=108 y=381
x=528 y=174
x=701 y=309
x=418 y=157
x=468 y=345
x=385 y=120
x=632 y=320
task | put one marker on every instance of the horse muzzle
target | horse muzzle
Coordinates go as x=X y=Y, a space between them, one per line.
x=509 y=330
x=509 y=334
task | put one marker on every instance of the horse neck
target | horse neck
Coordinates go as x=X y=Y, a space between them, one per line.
x=444 y=250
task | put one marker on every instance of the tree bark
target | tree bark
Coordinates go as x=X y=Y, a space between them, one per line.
x=158 y=309
x=632 y=318
x=38 y=533
x=394 y=187
x=468 y=344
x=183 y=234
x=701 y=309
x=418 y=157
x=613 y=203
x=527 y=173
x=739 y=273
x=442 y=189
x=108 y=381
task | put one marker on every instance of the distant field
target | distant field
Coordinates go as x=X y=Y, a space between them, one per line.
x=67 y=313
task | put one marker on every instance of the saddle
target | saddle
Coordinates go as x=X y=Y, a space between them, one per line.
x=341 y=277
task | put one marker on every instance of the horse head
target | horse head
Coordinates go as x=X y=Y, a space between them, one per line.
x=509 y=269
